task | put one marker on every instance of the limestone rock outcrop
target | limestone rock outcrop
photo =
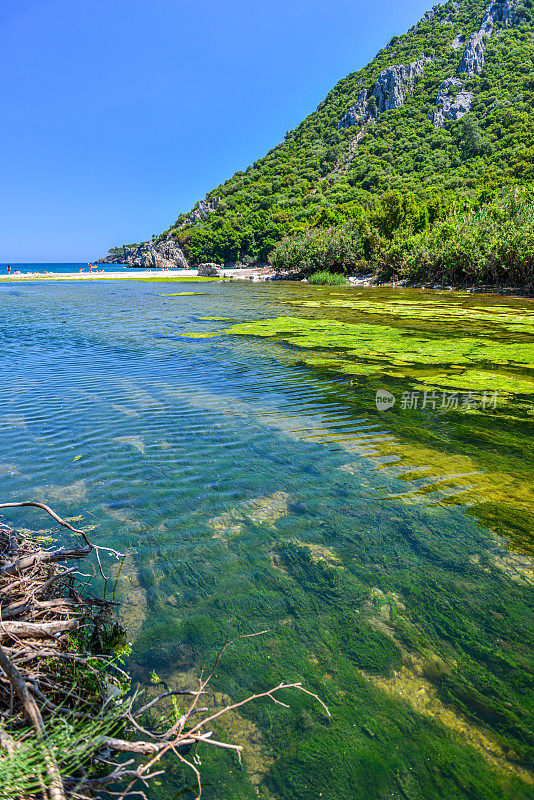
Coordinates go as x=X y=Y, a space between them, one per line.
x=473 y=59
x=453 y=102
x=202 y=209
x=390 y=91
x=209 y=270
x=357 y=114
x=162 y=255
x=395 y=83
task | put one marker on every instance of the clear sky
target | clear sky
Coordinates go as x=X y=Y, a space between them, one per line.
x=119 y=114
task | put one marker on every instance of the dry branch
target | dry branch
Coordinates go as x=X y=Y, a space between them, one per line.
x=43 y=680
x=35 y=630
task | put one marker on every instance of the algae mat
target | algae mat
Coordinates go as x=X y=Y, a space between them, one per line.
x=461 y=374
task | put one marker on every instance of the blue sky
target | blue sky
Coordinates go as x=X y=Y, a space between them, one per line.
x=119 y=114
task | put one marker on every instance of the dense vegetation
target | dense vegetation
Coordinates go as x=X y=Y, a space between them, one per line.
x=493 y=244
x=319 y=177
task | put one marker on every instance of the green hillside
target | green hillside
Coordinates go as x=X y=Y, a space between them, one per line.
x=325 y=175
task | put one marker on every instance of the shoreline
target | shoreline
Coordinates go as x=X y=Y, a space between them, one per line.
x=132 y=274
x=97 y=275
x=253 y=276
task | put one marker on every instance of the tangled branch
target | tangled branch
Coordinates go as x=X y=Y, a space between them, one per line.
x=57 y=675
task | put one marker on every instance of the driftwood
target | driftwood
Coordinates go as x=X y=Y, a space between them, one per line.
x=44 y=678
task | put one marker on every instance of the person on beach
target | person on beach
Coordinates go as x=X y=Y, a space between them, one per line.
x=8 y=269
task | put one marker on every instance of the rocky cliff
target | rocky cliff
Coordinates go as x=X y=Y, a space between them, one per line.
x=389 y=92
x=395 y=83
x=162 y=255
x=452 y=102
x=503 y=12
x=202 y=209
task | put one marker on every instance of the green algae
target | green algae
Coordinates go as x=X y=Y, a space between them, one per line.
x=443 y=345
x=383 y=346
x=356 y=647
x=435 y=314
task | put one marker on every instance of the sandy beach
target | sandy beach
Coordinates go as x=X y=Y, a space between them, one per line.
x=132 y=274
x=96 y=275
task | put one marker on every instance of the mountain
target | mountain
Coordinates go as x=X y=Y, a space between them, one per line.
x=443 y=115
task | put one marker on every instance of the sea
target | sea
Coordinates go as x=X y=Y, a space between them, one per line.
x=42 y=268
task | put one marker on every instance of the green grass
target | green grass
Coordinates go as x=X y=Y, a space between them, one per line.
x=324 y=277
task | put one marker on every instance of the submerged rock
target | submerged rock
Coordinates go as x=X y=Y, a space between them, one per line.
x=72 y=493
x=133 y=610
x=259 y=510
x=133 y=441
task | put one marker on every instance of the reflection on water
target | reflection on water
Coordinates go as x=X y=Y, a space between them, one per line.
x=255 y=485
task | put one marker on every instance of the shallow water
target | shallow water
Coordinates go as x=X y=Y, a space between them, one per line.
x=256 y=485
x=60 y=268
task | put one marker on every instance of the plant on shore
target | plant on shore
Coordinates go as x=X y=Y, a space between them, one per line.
x=492 y=244
x=325 y=249
x=324 y=277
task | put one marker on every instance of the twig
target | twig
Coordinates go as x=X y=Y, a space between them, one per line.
x=96 y=548
x=35 y=624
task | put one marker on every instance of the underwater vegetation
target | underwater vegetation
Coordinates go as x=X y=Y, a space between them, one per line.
x=449 y=347
x=256 y=486
x=350 y=607
x=411 y=620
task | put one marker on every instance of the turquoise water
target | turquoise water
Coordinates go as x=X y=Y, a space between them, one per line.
x=251 y=493
x=56 y=268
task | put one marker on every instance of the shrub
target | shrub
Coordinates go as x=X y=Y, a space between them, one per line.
x=337 y=249
x=492 y=245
